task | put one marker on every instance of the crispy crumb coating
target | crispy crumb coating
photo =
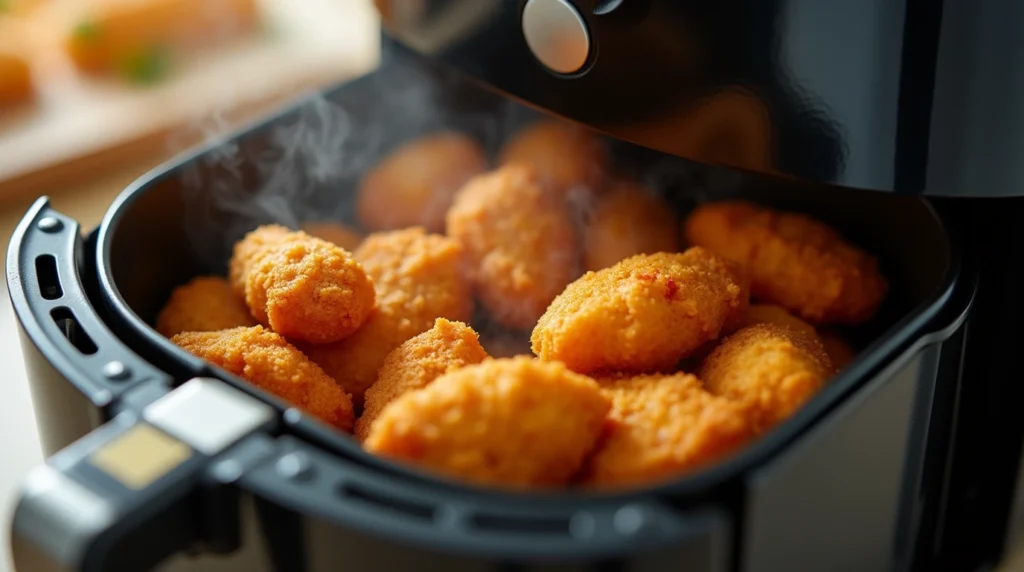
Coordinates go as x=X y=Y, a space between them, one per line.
x=520 y=244
x=266 y=360
x=204 y=304
x=418 y=278
x=643 y=314
x=626 y=221
x=662 y=426
x=564 y=156
x=516 y=422
x=336 y=233
x=775 y=369
x=303 y=287
x=772 y=314
x=418 y=362
x=415 y=184
x=793 y=260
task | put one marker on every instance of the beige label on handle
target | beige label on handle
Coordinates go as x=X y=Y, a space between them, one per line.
x=140 y=456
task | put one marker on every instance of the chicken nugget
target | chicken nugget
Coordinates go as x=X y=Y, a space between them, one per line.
x=793 y=260
x=627 y=221
x=838 y=349
x=515 y=422
x=772 y=314
x=418 y=362
x=303 y=287
x=336 y=233
x=775 y=369
x=415 y=184
x=520 y=244
x=204 y=304
x=564 y=155
x=662 y=426
x=418 y=278
x=266 y=360
x=643 y=314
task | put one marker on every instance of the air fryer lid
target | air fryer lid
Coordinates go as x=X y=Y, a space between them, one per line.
x=873 y=95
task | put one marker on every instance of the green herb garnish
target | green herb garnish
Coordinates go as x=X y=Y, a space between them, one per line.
x=146 y=67
x=86 y=30
x=5 y=6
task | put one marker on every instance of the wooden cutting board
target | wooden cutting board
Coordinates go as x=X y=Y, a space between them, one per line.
x=82 y=126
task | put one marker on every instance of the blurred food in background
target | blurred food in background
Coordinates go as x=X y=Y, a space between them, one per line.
x=85 y=84
x=16 y=84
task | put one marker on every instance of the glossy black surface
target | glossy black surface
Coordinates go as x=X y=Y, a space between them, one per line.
x=836 y=92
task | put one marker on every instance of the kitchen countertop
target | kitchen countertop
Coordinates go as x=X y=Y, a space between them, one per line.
x=19 y=443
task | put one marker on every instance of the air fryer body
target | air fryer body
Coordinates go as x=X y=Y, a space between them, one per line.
x=908 y=461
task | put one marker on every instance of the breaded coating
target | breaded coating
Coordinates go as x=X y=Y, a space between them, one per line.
x=772 y=314
x=520 y=244
x=418 y=362
x=515 y=423
x=564 y=155
x=775 y=369
x=838 y=349
x=336 y=233
x=204 y=304
x=415 y=184
x=643 y=314
x=662 y=426
x=303 y=287
x=418 y=278
x=793 y=260
x=266 y=360
x=626 y=221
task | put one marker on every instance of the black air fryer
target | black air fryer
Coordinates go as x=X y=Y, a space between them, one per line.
x=897 y=122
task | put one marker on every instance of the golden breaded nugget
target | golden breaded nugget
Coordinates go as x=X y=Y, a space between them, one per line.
x=415 y=184
x=627 y=221
x=838 y=349
x=775 y=369
x=204 y=304
x=135 y=37
x=515 y=422
x=418 y=362
x=520 y=244
x=772 y=314
x=793 y=261
x=418 y=278
x=661 y=426
x=565 y=156
x=335 y=233
x=305 y=288
x=266 y=360
x=643 y=314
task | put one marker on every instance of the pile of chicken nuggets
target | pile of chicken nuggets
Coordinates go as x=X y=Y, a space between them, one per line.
x=656 y=345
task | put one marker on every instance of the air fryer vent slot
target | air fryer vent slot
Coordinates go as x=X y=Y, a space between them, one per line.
x=49 y=280
x=72 y=330
x=406 y=507
x=521 y=525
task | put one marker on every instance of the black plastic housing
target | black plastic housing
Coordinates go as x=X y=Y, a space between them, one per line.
x=911 y=96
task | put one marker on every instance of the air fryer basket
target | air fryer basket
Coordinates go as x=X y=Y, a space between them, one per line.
x=317 y=493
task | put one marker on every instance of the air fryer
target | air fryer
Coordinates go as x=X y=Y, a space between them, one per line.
x=865 y=116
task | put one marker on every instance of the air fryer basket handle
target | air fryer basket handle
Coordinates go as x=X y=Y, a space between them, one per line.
x=51 y=303
x=131 y=493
